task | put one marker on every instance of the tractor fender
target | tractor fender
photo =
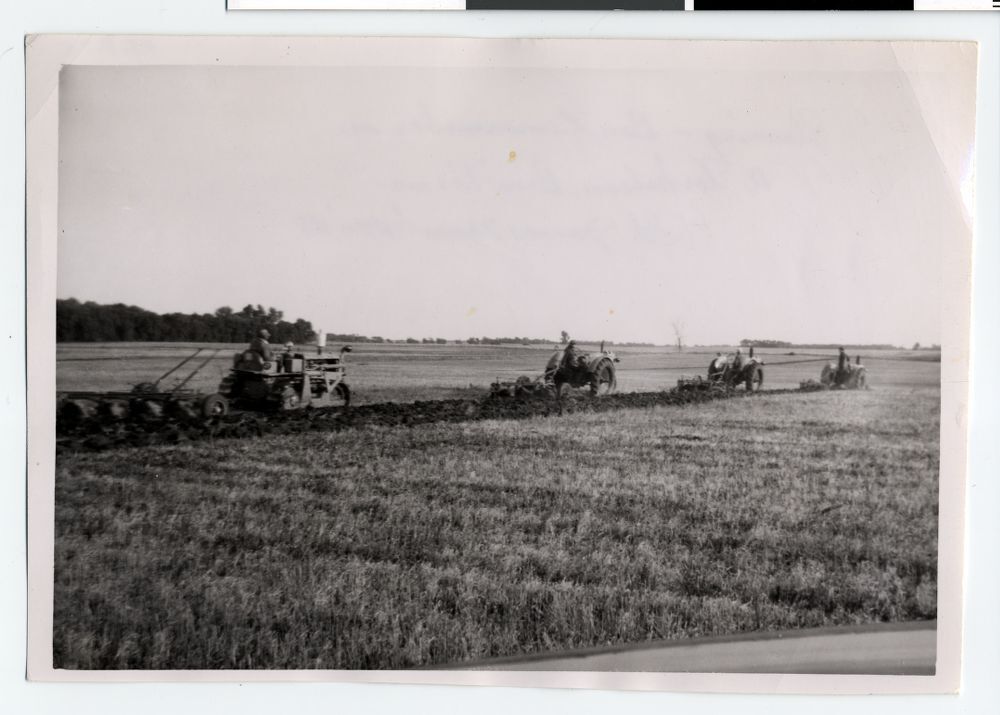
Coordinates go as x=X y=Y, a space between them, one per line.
x=717 y=368
x=553 y=364
x=594 y=360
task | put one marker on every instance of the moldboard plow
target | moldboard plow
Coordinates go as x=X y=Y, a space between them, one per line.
x=133 y=431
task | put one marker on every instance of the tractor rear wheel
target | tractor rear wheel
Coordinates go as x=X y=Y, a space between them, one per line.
x=603 y=381
x=754 y=378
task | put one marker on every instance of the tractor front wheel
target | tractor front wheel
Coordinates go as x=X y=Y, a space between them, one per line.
x=341 y=395
x=214 y=405
x=290 y=399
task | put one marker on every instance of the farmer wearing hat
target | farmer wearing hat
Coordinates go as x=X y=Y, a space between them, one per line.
x=260 y=345
x=842 y=365
x=571 y=356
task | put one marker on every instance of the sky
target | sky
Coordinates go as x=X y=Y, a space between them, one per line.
x=770 y=199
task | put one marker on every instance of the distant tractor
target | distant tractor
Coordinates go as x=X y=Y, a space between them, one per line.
x=853 y=377
x=594 y=370
x=726 y=371
x=289 y=381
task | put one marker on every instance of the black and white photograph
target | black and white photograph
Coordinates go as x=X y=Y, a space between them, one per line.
x=477 y=356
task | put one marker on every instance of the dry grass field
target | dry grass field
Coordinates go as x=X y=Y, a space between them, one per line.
x=414 y=546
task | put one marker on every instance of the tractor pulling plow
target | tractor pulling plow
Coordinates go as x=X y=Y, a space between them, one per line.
x=289 y=381
x=726 y=372
x=595 y=371
x=259 y=397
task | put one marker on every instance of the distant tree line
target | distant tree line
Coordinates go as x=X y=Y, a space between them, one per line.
x=354 y=338
x=747 y=342
x=564 y=339
x=507 y=341
x=91 y=322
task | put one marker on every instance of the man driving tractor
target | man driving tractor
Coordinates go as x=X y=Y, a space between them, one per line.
x=843 y=361
x=260 y=345
x=738 y=361
x=571 y=356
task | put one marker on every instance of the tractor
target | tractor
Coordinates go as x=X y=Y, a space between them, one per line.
x=726 y=372
x=594 y=370
x=289 y=381
x=854 y=377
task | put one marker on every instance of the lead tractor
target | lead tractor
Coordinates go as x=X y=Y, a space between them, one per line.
x=594 y=370
x=726 y=371
x=289 y=381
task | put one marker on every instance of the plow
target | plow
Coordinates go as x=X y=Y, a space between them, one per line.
x=146 y=400
x=103 y=433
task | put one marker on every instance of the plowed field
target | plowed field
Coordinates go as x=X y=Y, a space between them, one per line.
x=454 y=528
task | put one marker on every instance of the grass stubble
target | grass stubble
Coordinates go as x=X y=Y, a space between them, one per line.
x=401 y=547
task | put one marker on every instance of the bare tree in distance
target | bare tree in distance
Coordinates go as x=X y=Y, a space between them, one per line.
x=678 y=334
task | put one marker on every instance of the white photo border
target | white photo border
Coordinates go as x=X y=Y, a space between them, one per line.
x=979 y=688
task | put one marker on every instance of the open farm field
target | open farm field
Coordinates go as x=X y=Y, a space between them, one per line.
x=404 y=373
x=398 y=547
